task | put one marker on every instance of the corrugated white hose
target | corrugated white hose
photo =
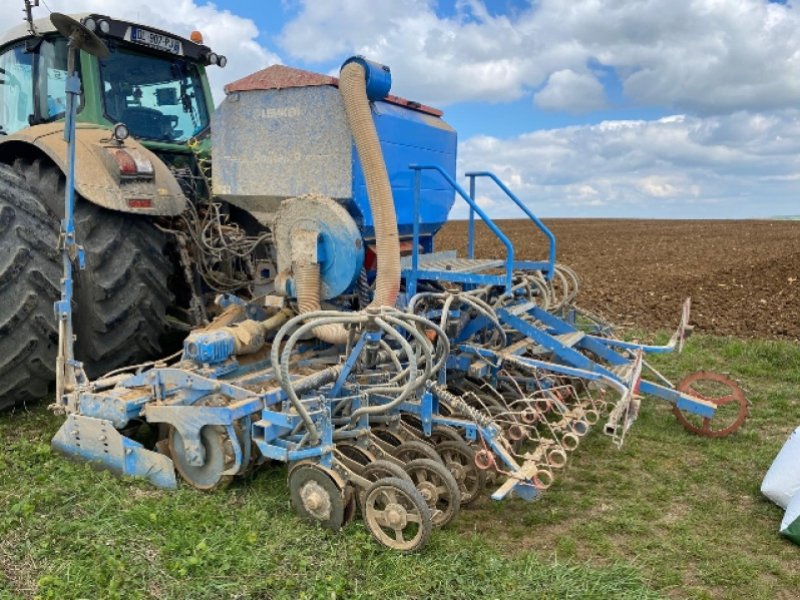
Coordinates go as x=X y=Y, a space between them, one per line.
x=307 y=283
x=353 y=88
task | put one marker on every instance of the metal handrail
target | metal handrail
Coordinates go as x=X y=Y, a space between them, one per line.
x=551 y=261
x=474 y=208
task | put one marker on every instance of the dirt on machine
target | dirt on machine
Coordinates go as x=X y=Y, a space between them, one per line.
x=283 y=248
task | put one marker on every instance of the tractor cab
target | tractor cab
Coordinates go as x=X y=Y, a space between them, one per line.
x=153 y=82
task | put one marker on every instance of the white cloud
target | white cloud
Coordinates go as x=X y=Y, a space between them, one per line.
x=226 y=33
x=738 y=165
x=731 y=68
x=572 y=92
x=707 y=56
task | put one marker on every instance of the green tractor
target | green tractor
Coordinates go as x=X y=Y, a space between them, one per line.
x=142 y=155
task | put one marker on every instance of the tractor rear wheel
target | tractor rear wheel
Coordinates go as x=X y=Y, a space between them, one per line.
x=122 y=296
x=29 y=285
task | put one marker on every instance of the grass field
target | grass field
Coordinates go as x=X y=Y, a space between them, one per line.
x=669 y=515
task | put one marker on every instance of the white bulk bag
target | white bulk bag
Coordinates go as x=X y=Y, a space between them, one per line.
x=782 y=481
x=790 y=526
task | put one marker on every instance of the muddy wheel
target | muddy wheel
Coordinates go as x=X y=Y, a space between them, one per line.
x=380 y=469
x=318 y=496
x=121 y=297
x=724 y=393
x=444 y=433
x=30 y=275
x=459 y=459
x=438 y=487
x=396 y=515
x=123 y=294
x=219 y=457
x=408 y=451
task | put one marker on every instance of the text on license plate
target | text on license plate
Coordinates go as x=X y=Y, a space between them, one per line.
x=155 y=40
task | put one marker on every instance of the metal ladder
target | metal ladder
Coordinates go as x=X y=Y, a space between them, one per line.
x=447 y=266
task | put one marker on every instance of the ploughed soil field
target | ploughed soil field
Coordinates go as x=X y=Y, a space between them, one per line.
x=743 y=276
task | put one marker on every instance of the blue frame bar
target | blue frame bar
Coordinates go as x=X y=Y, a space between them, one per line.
x=551 y=257
x=411 y=282
x=471 y=226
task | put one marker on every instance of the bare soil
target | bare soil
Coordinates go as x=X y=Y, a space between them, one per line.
x=743 y=276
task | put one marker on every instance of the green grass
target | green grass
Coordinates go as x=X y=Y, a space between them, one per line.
x=670 y=515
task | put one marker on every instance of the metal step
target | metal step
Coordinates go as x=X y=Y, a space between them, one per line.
x=433 y=263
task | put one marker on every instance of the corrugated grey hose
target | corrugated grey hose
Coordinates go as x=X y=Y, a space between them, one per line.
x=352 y=86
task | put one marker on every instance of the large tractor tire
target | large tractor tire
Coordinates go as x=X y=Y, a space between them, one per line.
x=121 y=298
x=123 y=294
x=29 y=285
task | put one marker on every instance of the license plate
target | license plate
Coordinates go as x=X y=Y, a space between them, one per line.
x=137 y=35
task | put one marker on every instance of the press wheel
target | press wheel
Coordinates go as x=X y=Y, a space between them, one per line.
x=318 y=495
x=380 y=469
x=412 y=450
x=396 y=515
x=438 y=487
x=219 y=457
x=459 y=459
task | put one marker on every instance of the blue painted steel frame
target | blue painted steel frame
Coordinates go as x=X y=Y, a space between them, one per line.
x=572 y=359
x=551 y=255
x=412 y=277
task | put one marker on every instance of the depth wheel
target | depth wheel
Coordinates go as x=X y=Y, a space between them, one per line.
x=387 y=435
x=724 y=393
x=438 y=487
x=380 y=469
x=396 y=515
x=459 y=459
x=318 y=495
x=408 y=451
x=219 y=457
x=444 y=433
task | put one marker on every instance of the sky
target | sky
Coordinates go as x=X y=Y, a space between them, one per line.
x=586 y=108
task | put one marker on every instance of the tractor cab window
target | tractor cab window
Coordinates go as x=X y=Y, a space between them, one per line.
x=158 y=97
x=16 y=89
x=33 y=80
x=51 y=80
